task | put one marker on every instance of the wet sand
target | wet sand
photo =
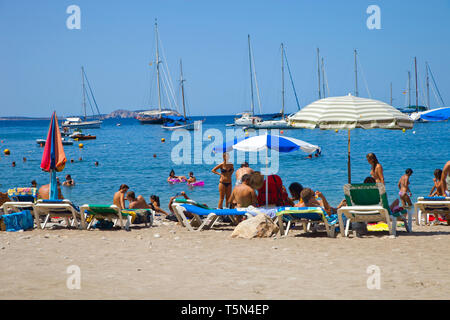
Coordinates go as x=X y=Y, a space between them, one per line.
x=210 y=265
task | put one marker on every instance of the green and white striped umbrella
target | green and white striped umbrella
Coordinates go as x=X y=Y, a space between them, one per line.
x=347 y=113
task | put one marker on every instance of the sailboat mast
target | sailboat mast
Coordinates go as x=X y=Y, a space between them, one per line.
x=282 y=81
x=251 y=76
x=323 y=79
x=356 y=76
x=84 y=92
x=182 y=89
x=391 y=93
x=417 y=92
x=428 y=85
x=157 y=67
x=409 y=88
x=318 y=71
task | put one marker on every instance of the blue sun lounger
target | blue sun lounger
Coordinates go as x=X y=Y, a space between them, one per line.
x=306 y=215
x=209 y=216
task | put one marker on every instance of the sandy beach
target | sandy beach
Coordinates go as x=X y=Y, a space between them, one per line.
x=168 y=262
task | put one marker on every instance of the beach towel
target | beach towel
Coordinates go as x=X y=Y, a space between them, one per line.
x=22 y=194
x=276 y=194
x=18 y=221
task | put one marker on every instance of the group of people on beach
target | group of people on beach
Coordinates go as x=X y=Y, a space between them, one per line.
x=134 y=202
x=249 y=188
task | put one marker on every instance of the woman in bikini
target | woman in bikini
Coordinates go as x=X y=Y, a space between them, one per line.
x=226 y=173
x=377 y=169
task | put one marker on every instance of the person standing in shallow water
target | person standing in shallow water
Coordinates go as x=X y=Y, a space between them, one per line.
x=377 y=170
x=226 y=174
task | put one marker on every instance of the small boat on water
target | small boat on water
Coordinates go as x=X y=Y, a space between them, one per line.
x=65 y=142
x=77 y=135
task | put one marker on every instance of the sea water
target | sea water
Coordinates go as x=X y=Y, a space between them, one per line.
x=135 y=155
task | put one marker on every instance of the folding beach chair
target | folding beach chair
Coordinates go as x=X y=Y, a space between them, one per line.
x=194 y=223
x=57 y=208
x=306 y=216
x=431 y=205
x=108 y=212
x=210 y=216
x=368 y=203
x=146 y=216
x=22 y=199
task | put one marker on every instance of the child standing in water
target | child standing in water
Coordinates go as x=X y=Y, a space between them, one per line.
x=403 y=185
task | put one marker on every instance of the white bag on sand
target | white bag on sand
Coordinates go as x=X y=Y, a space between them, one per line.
x=260 y=226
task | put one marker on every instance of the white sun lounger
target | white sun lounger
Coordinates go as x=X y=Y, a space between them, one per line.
x=57 y=208
x=431 y=205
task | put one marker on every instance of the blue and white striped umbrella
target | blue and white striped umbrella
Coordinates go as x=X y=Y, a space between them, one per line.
x=274 y=142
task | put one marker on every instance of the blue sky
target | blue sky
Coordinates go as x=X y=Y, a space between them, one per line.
x=40 y=58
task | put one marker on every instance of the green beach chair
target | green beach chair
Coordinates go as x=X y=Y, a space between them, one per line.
x=368 y=203
x=109 y=212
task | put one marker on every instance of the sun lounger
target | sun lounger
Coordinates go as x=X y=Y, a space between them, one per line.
x=57 y=208
x=431 y=205
x=22 y=199
x=146 y=216
x=209 y=216
x=109 y=212
x=368 y=203
x=306 y=216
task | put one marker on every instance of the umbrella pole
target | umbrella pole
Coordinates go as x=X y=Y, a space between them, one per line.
x=53 y=186
x=349 y=170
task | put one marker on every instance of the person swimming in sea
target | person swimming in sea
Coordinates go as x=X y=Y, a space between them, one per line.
x=226 y=174
x=69 y=181
x=191 y=178
x=173 y=177
x=403 y=185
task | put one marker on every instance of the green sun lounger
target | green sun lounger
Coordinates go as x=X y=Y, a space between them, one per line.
x=368 y=203
x=109 y=212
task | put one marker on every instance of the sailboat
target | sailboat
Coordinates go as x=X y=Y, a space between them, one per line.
x=78 y=123
x=248 y=118
x=184 y=123
x=282 y=123
x=160 y=115
x=435 y=114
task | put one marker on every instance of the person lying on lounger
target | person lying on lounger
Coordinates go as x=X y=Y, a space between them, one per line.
x=154 y=202
x=311 y=199
x=243 y=195
x=136 y=203
x=296 y=189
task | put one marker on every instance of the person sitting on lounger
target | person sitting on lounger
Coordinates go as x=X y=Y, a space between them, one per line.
x=444 y=183
x=295 y=189
x=154 y=202
x=377 y=169
x=119 y=196
x=191 y=178
x=243 y=195
x=136 y=203
x=172 y=177
x=436 y=191
x=403 y=185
